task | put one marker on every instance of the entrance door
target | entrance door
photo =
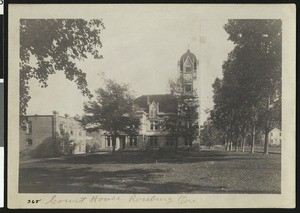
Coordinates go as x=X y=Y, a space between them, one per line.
x=122 y=141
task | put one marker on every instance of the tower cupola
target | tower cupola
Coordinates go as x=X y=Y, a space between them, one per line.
x=188 y=66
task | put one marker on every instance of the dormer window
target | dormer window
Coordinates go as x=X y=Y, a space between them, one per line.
x=153 y=110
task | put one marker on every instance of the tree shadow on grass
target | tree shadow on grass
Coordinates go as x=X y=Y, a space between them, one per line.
x=63 y=175
x=133 y=181
x=41 y=180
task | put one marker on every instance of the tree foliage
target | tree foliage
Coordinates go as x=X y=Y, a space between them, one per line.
x=184 y=123
x=51 y=45
x=247 y=96
x=210 y=136
x=63 y=144
x=112 y=111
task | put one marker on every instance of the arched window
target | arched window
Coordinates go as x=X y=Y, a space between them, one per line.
x=188 y=66
x=71 y=129
x=153 y=111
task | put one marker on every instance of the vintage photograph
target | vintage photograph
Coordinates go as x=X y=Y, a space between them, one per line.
x=137 y=100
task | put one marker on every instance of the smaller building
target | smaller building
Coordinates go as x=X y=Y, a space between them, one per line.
x=40 y=138
x=274 y=137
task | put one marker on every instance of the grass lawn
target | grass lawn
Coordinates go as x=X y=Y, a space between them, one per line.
x=180 y=171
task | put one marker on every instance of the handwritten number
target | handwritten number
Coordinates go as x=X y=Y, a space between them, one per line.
x=33 y=201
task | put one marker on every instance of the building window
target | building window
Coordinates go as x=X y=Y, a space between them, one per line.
x=153 y=111
x=29 y=127
x=153 y=141
x=72 y=130
x=188 y=69
x=108 y=141
x=29 y=142
x=170 y=141
x=271 y=134
x=153 y=125
x=133 y=141
x=80 y=133
x=280 y=134
x=188 y=88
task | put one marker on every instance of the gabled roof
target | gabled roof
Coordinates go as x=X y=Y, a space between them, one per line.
x=136 y=108
x=167 y=103
x=276 y=129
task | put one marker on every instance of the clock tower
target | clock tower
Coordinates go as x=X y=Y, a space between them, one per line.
x=188 y=66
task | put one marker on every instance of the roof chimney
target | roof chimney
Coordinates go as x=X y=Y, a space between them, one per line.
x=148 y=100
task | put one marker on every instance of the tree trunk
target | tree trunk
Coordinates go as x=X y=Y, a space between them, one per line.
x=114 y=144
x=266 y=146
x=236 y=145
x=190 y=141
x=243 y=143
x=253 y=139
x=226 y=145
x=230 y=146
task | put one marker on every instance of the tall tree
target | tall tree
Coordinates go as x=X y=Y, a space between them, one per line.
x=112 y=111
x=260 y=42
x=185 y=122
x=251 y=78
x=50 y=45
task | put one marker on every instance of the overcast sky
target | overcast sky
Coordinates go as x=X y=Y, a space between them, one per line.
x=142 y=47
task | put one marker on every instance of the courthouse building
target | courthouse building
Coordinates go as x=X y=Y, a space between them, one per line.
x=153 y=111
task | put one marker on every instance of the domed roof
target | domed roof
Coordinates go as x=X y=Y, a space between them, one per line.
x=185 y=55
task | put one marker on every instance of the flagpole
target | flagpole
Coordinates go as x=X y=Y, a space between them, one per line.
x=199 y=80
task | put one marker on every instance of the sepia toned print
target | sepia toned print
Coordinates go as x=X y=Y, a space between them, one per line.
x=150 y=108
